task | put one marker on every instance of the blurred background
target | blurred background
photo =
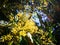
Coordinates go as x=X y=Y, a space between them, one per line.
x=45 y=14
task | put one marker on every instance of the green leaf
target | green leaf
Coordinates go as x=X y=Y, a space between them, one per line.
x=10 y=43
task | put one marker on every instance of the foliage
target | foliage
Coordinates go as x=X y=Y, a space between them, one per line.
x=23 y=29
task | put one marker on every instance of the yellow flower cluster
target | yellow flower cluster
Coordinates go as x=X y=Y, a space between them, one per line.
x=6 y=37
x=23 y=25
x=22 y=33
x=44 y=37
x=30 y=26
x=19 y=28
